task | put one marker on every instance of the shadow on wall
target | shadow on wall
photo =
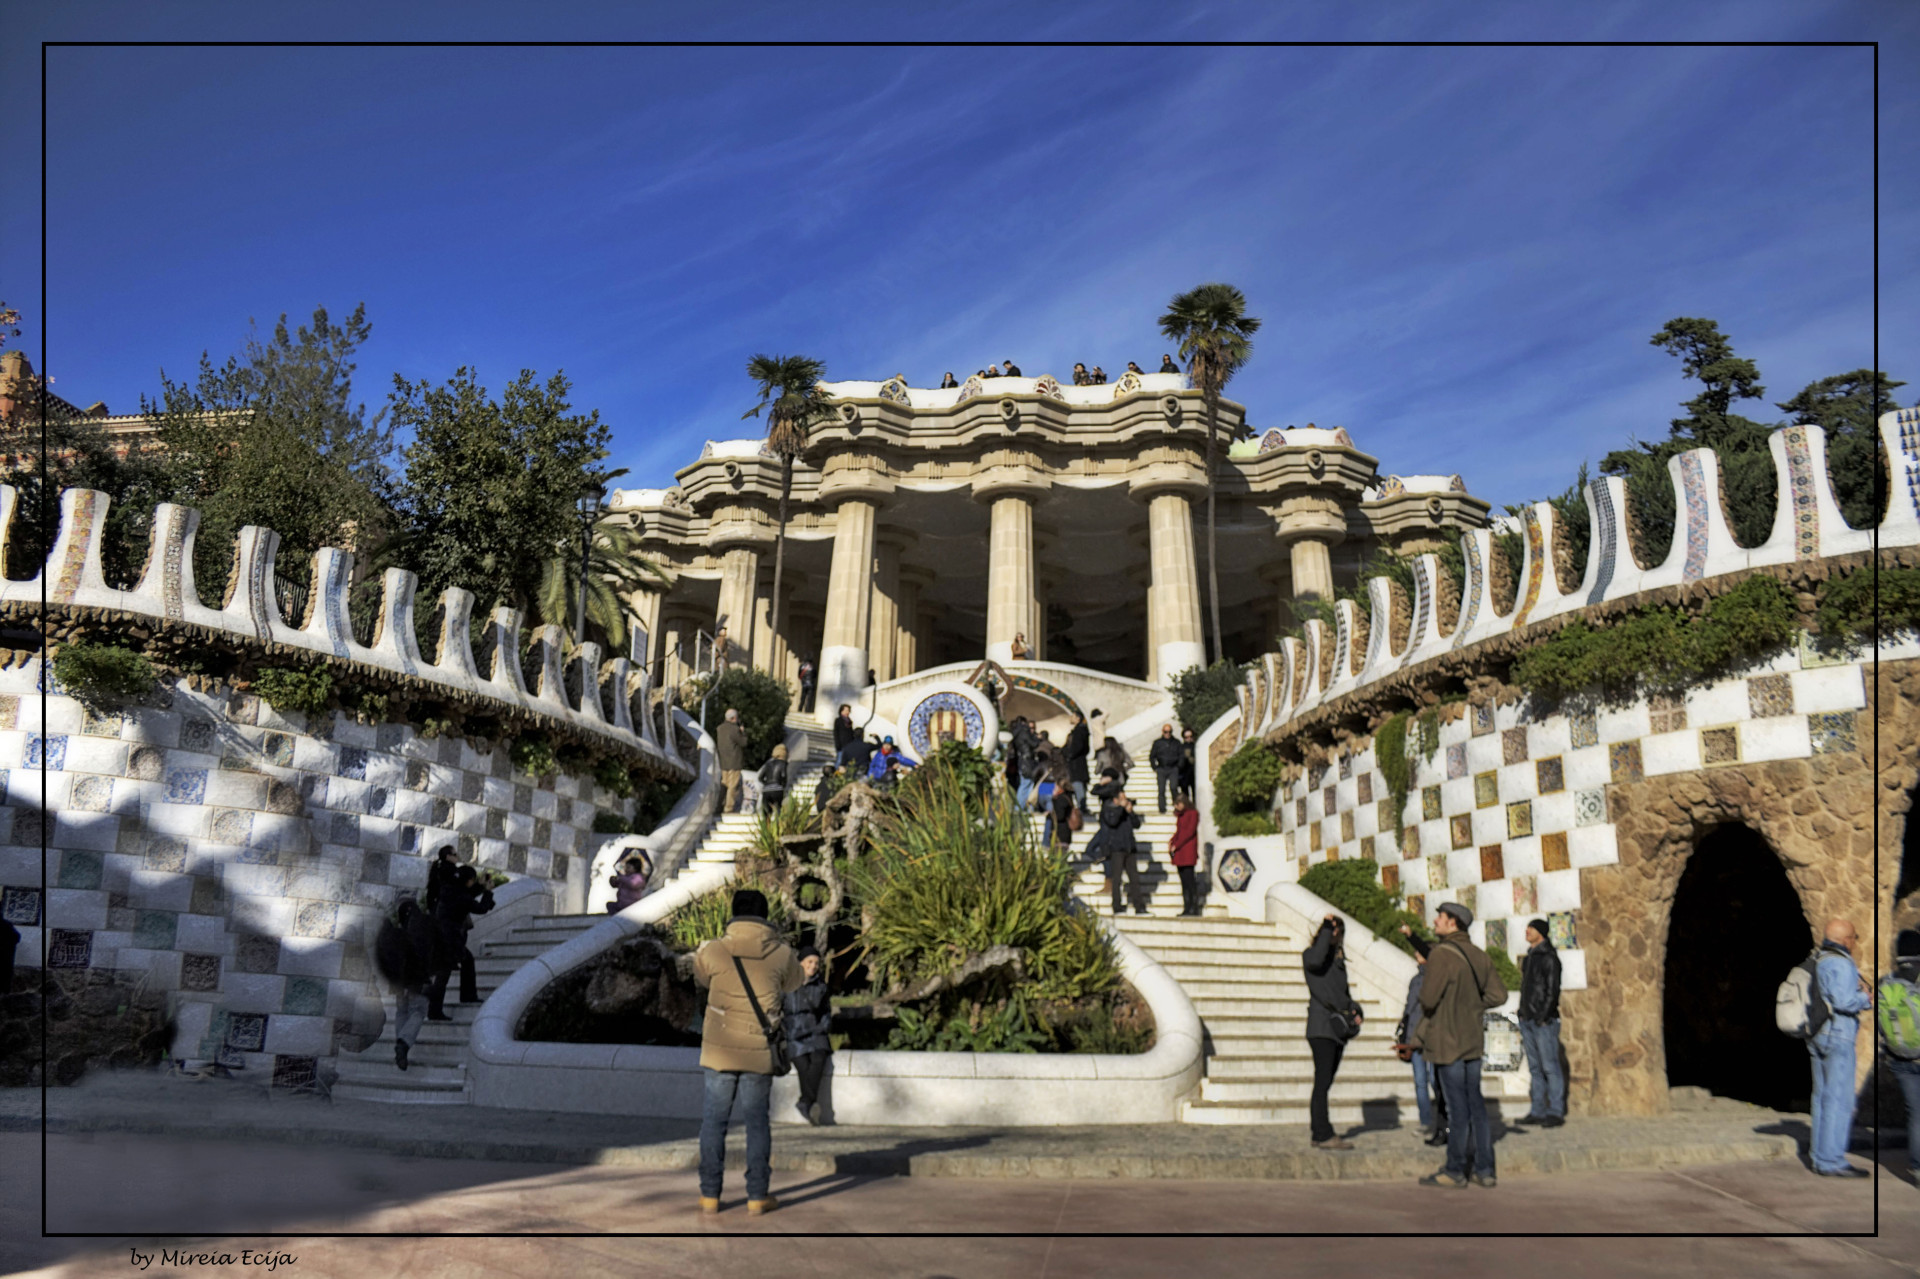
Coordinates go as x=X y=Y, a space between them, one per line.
x=1736 y=928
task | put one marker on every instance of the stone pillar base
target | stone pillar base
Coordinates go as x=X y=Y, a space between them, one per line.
x=842 y=676
x=1177 y=657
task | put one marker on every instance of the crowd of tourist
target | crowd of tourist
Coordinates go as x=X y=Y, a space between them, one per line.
x=1082 y=376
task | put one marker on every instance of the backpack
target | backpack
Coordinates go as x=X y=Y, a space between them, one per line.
x=1899 y=1015
x=1799 y=1009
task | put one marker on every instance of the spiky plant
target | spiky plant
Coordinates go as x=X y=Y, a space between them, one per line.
x=1215 y=334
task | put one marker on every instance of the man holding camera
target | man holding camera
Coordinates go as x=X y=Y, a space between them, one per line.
x=1459 y=985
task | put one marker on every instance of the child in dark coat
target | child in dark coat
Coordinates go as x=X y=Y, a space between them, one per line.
x=809 y=1015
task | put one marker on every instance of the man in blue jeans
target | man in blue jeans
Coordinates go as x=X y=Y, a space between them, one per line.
x=735 y=1055
x=1831 y=1048
x=1458 y=986
x=1540 y=1028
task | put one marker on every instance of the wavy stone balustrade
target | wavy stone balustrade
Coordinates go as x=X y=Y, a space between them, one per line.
x=72 y=579
x=1301 y=677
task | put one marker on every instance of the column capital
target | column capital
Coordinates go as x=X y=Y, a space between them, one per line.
x=1318 y=519
x=1159 y=479
x=996 y=482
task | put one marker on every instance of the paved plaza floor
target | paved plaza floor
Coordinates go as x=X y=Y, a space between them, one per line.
x=300 y=1199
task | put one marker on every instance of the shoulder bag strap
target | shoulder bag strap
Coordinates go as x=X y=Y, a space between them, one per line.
x=766 y=1027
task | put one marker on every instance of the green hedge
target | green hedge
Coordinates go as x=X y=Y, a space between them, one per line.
x=1354 y=887
x=1868 y=603
x=1243 y=791
x=1202 y=694
x=103 y=676
x=762 y=702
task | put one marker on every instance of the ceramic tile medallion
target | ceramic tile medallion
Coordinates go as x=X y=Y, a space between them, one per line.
x=1769 y=695
x=200 y=972
x=1410 y=842
x=1719 y=746
x=247 y=1031
x=1299 y=812
x=1519 y=819
x=80 y=868
x=1346 y=826
x=1367 y=850
x=70 y=948
x=1801 y=480
x=1482 y=718
x=1390 y=878
x=1666 y=713
x=1313 y=837
x=1831 y=731
x=1456 y=761
x=1589 y=807
x=1417 y=903
x=1549 y=777
x=1492 y=865
x=186 y=785
x=1553 y=851
x=20 y=907
x=1461 y=829
x=1496 y=934
x=1346 y=767
x=1563 y=929
x=1583 y=728
x=1430 y=804
x=1437 y=871
x=1486 y=789
x=1624 y=759
x=1235 y=870
x=1513 y=745
x=942 y=717
x=49 y=753
x=1363 y=789
x=1693 y=486
x=1526 y=895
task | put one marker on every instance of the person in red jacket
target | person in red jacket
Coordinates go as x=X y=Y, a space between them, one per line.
x=1184 y=851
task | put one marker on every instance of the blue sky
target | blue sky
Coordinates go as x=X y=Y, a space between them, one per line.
x=1459 y=253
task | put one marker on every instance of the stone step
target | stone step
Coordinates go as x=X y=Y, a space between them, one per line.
x=1341 y=1114
x=1293 y=1088
x=382 y=1071
x=403 y=1094
x=1366 y=1066
x=1218 y=928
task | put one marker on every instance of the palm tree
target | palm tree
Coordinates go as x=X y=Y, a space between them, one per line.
x=789 y=388
x=1213 y=329
x=615 y=570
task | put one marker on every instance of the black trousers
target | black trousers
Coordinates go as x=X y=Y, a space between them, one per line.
x=1126 y=862
x=1326 y=1063
x=469 y=984
x=1189 y=890
x=812 y=1068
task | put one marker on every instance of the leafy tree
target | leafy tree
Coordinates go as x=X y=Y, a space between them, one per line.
x=9 y=323
x=487 y=498
x=615 y=569
x=762 y=701
x=1202 y=694
x=1847 y=407
x=789 y=391
x=1215 y=334
x=1746 y=465
x=273 y=438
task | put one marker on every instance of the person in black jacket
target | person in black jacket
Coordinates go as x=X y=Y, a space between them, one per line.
x=1118 y=821
x=809 y=1015
x=773 y=781
x=825 y=790
x=1187 y=766
x=439 y=875
x=1328 y=1000
x=407 y=954
x=1167 y=365
x=453 y=912
x=844 y=734
x=1540 y=1028
x=1079 y=746
x=1431 y=1102
x=1164 y=758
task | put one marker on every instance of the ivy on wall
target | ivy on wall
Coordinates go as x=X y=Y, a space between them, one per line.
x=1243 y=791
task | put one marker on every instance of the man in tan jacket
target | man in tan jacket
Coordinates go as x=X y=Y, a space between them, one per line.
x=1457 y=988
x=734 y=1053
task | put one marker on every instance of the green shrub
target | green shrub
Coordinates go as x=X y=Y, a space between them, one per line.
x=968 y=768
x=531 y=753
x=1396 y=766
x=306 y=689
x=1246 y=825
x=1508 y=970
x=1662 y=649
x=103 y=676
x=366 y=705
x=762 y=702
x=1244 y=787
x=611 y=824
x=1354 y=887
x=1868 y=603
x=1202 y=694
x=1005 y=1026
x=612 y=775
x=795 y=816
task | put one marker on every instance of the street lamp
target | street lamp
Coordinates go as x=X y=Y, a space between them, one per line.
x=592 y=494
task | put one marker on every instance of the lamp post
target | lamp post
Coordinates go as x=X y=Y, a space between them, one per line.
x=592 y=494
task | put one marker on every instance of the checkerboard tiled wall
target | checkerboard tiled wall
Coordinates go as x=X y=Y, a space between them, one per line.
x=241 y=861
x=1508 y=811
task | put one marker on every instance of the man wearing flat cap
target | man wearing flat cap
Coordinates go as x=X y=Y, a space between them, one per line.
x=1460 y=985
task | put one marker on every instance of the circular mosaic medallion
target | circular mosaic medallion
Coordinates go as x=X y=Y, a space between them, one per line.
x=1235 y=871
x=951 y=713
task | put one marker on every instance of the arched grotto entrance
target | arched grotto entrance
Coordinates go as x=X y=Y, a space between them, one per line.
x=1736 y=927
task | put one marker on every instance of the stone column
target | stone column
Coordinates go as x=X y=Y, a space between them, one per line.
x=672 y=669
x=764 y=642
x=1312 y=568
x=739 y=580
x=1010 y=609
x=644 y=605
x=906 y=658
x=883 y=624
x=843 y=646
x=1310 y=527
x=1175 y=608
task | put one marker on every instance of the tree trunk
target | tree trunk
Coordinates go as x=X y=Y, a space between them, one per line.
x=1213 y=569
x=780 y=548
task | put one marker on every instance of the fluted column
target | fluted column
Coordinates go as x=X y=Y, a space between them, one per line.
x=843 y=647
x=1010 y=599
x=644 y=605
x=1312 y=568
x=883 y=622
x=906 y=658
x=764 y=641
x=739 y=580
x=1175 y=595
x=672 y=669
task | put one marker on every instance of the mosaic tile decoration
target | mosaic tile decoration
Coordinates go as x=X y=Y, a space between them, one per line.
x=1468 y=895
x=49 y=752
x=1346 y=825
x=1363 y=789
x=79 y=539
x=1476 y=578
x=70 y=948
x=1492 y=865
x=1313 y=837
x=20 y=906
x=1519 y=820
x=1513 y=746
x=1589 y=807
x=200 y=972
x=1549 y=776
x=1804 y=507
x=1553 y=852
x=1536 y=566
x=1607 y=538
x=1693 y=487
x=1583 y=729
x=1563 y=929
x=1526 y=895
x=1461 y=828
x=1430 y=804
x=1623 y=758
x=1831 y=731
x=1300 y=812
x=1482 y=719
x=1410 y=842
x=1770 y=695
x=1486 y=789
x=1235 y=870
x=1456 y=760
x=1390 y=878
x=1436 y=872
x=1496 y=934
x=1719 y=746
x=247 y=1031
x=1417 y=903
x=80 y=868
x=1346 y=767
x=1666 y=713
